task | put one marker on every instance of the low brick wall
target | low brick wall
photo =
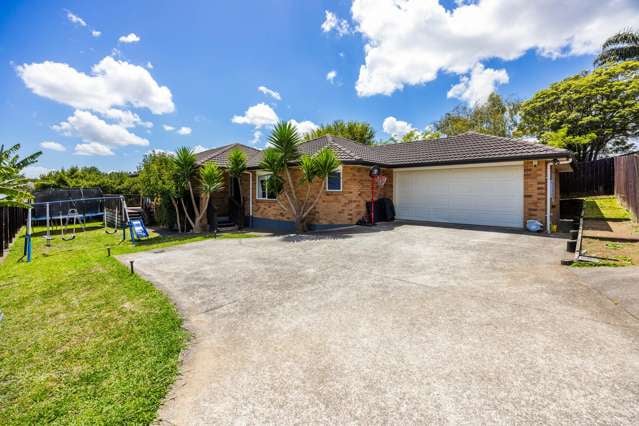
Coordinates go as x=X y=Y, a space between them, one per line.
x=333 y=208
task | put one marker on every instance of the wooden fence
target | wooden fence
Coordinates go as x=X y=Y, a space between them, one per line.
x=589 y=178
x=627 y=182
x=11 y=220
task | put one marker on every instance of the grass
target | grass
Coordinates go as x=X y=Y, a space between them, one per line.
x=604 y=207
x=82 y=340
x=610 y=253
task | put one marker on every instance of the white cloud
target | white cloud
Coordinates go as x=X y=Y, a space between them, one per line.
x=96 y=33
x=149 y=65
x=112 y=83
x=199 y=148
x=184 y=131
x=304 y=127
x=127 y=118
x=272 y=93
x=410 y=42
x=53 y=146
x=476 y=88
x=130 y=38
x=34 y=172
x=168 y=128
x=92 y=148
x=395 y=127
x=332 y=22
x=258 y=115
x=72 y=17
x=92 y=129
x=256 y=137
x=330 y=76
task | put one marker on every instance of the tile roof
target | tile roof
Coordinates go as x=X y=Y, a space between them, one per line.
x=469 y=147
x=220 y=154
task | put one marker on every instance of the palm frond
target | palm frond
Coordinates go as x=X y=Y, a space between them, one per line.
x=272 y=161
x=622 y=38
x=286 y=140
x=325 y=162
x=211 y=178
x=237 y=163
x=623 y=46
x=5 y=202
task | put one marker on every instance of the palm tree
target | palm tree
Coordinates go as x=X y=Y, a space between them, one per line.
x=209 y=177
x=623 y=46
x=283 y=151
x=236 y=167
x=14 y=190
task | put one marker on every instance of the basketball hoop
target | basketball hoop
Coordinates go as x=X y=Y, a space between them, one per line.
x=377 y=183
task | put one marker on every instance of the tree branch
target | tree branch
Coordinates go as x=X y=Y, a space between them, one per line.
x=186 y=213
x=195 y=208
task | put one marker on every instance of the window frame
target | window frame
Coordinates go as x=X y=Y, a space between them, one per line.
x=341 y=180
x=258 y=189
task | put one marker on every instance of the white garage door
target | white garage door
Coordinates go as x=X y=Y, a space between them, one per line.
x=490 y=195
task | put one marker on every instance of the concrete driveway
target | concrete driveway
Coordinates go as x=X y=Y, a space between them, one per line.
x=403 y=325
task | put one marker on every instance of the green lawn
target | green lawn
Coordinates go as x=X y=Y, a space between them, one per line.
x=605 y=207
x=82 y=340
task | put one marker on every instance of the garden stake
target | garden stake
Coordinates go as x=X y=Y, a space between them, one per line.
x=131 y=262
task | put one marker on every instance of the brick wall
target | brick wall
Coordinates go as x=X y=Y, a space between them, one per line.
x=535 y=192
x=344 y=207
x=348 y=206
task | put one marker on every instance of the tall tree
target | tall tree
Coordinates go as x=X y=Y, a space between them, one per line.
x=237 y=164
x=623 y=46
x=156 y=176
x=278 y=160
x=357 y=131
x=497 y=116
x=14 y=189
x=412 y=136
x=593 y=113
x=207 y=178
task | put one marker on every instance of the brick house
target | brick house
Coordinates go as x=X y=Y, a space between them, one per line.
x=467 y=179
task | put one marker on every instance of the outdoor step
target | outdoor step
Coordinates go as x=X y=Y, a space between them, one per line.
x=227 y=228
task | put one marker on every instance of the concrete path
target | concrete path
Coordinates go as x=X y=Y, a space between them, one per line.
x=405 y=325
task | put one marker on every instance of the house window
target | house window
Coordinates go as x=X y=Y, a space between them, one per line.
x=263 y=192
x=334 y=180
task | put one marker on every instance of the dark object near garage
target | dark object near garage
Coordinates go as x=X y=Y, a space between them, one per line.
x=384 y=210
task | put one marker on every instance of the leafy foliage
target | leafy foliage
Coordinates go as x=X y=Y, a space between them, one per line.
x=89 y=177
x=14 y=189
x=156 y=177
x=497 y=116
x=211 y=178
x=283 y=154
x=414 y=135
x=623 y=46
x=207 y=178
x=237 y=163
x=357 y=131
x=594 y=113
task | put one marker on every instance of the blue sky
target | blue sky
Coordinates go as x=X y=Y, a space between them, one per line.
x=213 y=56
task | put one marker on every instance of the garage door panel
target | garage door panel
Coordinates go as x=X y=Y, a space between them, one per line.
x=477 y=195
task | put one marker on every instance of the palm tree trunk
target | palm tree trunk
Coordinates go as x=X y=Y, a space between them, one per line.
x=177 y=213
x=186 y=214
x=204 y=203
x=195 y=209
